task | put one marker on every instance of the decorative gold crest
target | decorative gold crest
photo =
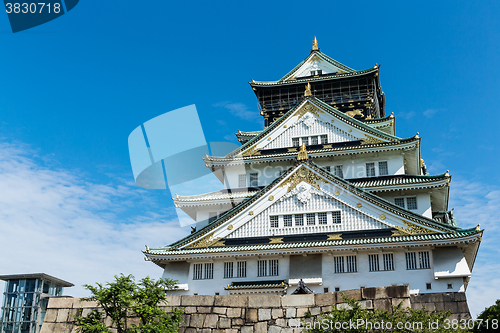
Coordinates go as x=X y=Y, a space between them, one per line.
x=230 y=227
x=370 y=140
x=205 y=242
x=382 y=217
x=308 y=107
x=359 y=205
x=252 y=151
x=271 y=197
x=276 y=240
x=295 y=179
x=334 y=236
x=413 y=229
x=337 y=192
x=250 y=213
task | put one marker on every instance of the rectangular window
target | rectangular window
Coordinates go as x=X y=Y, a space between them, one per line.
x=411 y=203
x=242 y=269
x=411 y=260
x=273 y=267
x=373 y=263
x=423 y=259
x=352 y=266
x=382 y=169
x=370 y=169
x=338 y=170
x=327 y=168
x=287 y=220
x=212 y=217
x=305 y=140
x=322 y=218
x=197 y=271
x=295 y=142
x=338 y=264
x=388 y=261
x=209 y=271
x=314 y=140
x=311 y=219
x=228 y=269
x=262 y=268
x=319 y=71
x=254 y=179
x=274 y=221
x=324 y=139
x=242 y=180
x=400 y=202
x=336 y=217
x=299 y=220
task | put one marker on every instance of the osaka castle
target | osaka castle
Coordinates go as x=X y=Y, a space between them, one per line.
x=326 y=197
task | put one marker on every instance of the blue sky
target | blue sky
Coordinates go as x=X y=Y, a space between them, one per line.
x=72 y=90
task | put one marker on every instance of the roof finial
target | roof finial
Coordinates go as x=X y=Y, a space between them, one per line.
x=307 y=92
x=315 y=45
x=302 y=153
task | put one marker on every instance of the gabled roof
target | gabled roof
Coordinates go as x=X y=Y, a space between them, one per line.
x=379 y=137
x=203 y=235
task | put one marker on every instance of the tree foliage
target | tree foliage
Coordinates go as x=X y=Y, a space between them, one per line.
x=488 y=320
x=125 y=299
x=354 y=318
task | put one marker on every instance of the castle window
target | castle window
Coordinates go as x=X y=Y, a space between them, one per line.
x=336 y=217
x=287 y=220
x=400 y=202
x=295 y=142
x=274 y=221
x=228 y=269
x=349 y=267
x=327 y=168
x=299 y=220
x=203 y=271
x=254 y=179
x=209 y=271
x=373 y=263
x=370 y=169
x=267 y=267
x=388 y=261
x=242 y=180
x=422 y=262
x=382 y=169
x=338 y=171
x=241 y=269
x=320 y=71
x=197 y=271
x=324 y=139
x=411 y=203
x=314 y=140
x=450 y=286
x=428 y=286
x=305 y=140
x=311 y=219
x=322 y=218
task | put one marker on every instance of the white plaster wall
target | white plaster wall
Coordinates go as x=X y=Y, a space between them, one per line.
x=423 y=201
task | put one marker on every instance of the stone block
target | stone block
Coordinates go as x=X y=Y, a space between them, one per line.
x=294 y=322
x=298 y=300
x=234 y=312
x=274 y=329
x=205 y=330
x=211 y=321
x=47 y=327
x=460 y=297
x=197 y=320
x=452 y=306
x=86 y=312
x=173 y=300
x=291 y=313
x=264 y=314
x=79 y=303
x=190 y=309
x=462 y=307
x=181 y=330
x=355 y=294
x=277 y=313
x=191 y=330
x=185 y=319
x=197 y=300
x=297 y=330
x=326 y=308
x=247 y=329
x=72 y=314
x=301 y=312
x=218 y=310
x=405 y=302
x=219 y=331
x=315 y=311
x=344 y=306
x=397 y=291
x=264 y=301
x=62 y=315
x=324 y=299
x=373 y=293
x=429 y=306
x=382 y=304
x=418 y=306
x=50 y=316
x=439 y=306
x=232 y=330
x=224 y=322
x=134 y=321
x=287 y=330
x=203 y=309
x=260 y=327
x=237 y=321
x=251 y=316
x=234 y=301
x=63 y=328
x=60 y=303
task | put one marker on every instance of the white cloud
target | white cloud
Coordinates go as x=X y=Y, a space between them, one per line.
x=54 y=221
x=430 y=112
x=240 y=110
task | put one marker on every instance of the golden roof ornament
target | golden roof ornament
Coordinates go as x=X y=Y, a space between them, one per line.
x=315 y=45
x=307 y=92
x=302 y=153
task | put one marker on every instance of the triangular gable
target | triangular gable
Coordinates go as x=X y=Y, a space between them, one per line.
x=316 y=61
x=373 y=209
x=312 y=117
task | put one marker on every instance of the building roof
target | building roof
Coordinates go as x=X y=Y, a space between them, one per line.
x=40 y=276
x=272 y=284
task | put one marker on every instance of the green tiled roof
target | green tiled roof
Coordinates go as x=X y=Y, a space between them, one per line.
x=257 y=285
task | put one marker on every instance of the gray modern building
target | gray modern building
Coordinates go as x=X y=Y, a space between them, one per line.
x=25 y=301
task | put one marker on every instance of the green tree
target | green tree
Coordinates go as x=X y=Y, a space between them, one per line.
x=488 y=320
x=124 y=299
x=354 y=318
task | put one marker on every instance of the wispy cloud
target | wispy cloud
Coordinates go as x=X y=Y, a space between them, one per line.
x=240 y=110
x=54 y=221
x=430 y=112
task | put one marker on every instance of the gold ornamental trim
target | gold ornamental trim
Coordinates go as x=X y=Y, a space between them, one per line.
x=206 y=242
x=302 y=175
x=334 y=236
x=308 y=107
x=276 y=240
x=413 y=229
x=252 y=151
x=370 y=140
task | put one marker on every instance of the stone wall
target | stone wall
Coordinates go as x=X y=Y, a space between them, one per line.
x=263 y=313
